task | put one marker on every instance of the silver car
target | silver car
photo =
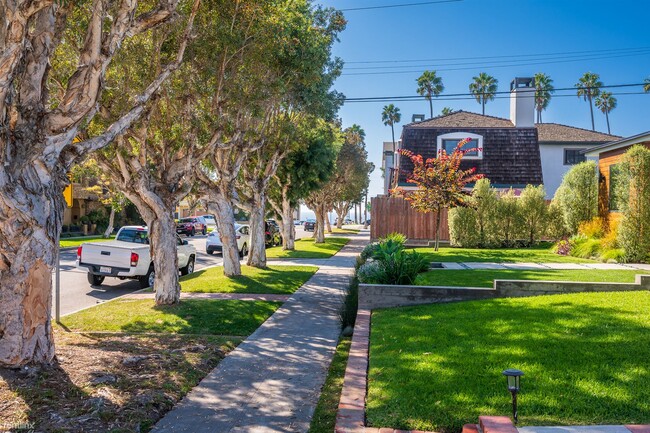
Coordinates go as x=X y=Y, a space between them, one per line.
x=242 y=233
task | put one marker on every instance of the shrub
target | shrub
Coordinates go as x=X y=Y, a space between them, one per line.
x=610 y=240
x=372 y=272
x=577 y=195
x=594 y=228
x=509 y=219
x=613 y=255
x=65 y=228
x=533 y=208
x=484 y=201
x=395 y=237
x=369 y=251
x=348 y=313
x=562 y=248
x=462 y=228
x=633 y=192
x=402 y=267
x=585 y=248
x=556 y=227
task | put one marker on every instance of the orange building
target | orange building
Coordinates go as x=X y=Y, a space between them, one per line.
x=609 y=155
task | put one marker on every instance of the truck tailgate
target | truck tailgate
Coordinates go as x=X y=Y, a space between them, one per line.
x=114 y=254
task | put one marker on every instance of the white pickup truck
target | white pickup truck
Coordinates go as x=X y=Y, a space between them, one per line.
x=128 y=256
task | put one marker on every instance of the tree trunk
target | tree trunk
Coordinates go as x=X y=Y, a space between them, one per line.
x=111 y=221
x=319 y=228
x=31 y=210
x=365 y=212
x=257 y=251
x=163 y=247
x=438 y=217
x=607 y=117
x=288 y=227
x=222 y=208
x=483 y=106
x=328 y=222
x=591 y=110
x=431 y=107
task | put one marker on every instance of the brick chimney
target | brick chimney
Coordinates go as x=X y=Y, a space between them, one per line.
x=522 y=102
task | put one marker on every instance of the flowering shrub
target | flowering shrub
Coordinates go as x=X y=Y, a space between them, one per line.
x=563 y=247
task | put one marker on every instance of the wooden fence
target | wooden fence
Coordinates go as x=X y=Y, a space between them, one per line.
x=394 y=214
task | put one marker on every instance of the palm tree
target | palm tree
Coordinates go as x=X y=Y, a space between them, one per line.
x=483 y=88
x=390 y=116
x=447 y=110
x=646 y=85
x=430 y=85
x=543 y=90
x=606 y=103
x=589 y=87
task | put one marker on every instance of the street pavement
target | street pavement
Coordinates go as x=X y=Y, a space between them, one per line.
x=77 y=293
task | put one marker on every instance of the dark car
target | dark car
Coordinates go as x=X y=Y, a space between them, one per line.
x=309 y=225
x=191 y=226
x=272 y=235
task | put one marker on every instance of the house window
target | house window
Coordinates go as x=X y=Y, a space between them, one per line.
x=573 y=156
x=614 y=180
x=448 y=143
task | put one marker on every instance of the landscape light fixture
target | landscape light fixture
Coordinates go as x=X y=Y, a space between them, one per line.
x=513 y=375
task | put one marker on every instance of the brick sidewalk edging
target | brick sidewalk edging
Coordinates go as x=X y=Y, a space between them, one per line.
x=351 y=414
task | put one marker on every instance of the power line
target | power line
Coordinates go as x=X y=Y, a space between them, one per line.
x=398 y=5
x=559 y=57
x=479 y=67
x=469 y=96
x=496 y=57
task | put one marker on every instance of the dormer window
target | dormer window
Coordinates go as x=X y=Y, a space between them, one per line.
x=448 y=143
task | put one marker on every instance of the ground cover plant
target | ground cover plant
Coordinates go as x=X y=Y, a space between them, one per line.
x=437 y=367
x=282 y=280
x=109 y=382
x=306 y=248
x=191 y=316
x=541 y=253
x=324 y=418
x=387 y=262
x=486 y=277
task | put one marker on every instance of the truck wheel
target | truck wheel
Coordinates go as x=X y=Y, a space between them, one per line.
x=204 y=231
x=244 y=250
x=148 y=279
x=95 y=280
x=210 y=252
x=193 y=232
x=189 y=268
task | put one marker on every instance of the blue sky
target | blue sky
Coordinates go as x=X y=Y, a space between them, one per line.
x=469 y=29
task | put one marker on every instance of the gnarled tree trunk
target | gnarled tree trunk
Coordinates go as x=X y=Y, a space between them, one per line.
x=31 y=209
x=162 y=239
x=111 y=222
x=285 y=214
x=223 y=209
x=319 y=228
x=257 y=254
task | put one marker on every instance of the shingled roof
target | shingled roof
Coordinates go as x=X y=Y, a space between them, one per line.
x=556 y=133
x=463 y=119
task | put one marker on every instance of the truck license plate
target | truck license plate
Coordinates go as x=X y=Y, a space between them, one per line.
x=105 y=269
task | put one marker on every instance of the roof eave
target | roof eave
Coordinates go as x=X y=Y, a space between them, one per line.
x=613 y=145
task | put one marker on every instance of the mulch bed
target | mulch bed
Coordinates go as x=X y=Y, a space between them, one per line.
x=107 y=382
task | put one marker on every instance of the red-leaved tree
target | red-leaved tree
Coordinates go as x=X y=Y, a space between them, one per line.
x=440 y=181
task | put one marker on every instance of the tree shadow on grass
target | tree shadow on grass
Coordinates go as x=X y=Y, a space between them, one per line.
x=439 y=367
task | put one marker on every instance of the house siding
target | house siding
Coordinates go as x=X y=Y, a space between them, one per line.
x=511 y=156
x=605 y=161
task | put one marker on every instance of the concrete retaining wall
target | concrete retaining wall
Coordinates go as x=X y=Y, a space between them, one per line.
x=373 y=296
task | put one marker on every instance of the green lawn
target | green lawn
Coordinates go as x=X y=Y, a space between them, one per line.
x=203 y=316
x=75 y=242
x=307 y=249
x=585 y=359
x=337 y=231
x=485 y=277
x=538 y=254
x=281 y=280
x=324 y=417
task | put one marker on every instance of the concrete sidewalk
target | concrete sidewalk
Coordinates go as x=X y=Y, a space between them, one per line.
x=272 y=381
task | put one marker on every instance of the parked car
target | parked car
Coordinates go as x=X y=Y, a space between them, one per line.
x=210 y=221
x=309 y=225
x=297 y=222
x=272 y=236
x=192 y=225
x=128 y=256
x=242 y=234
x=347 y=221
